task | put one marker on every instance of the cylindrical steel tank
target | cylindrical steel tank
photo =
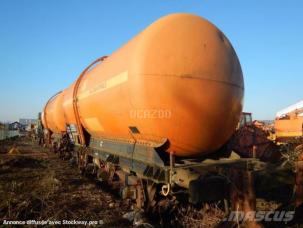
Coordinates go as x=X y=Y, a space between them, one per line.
x=179 y=79
x=53 y=114
x=68 y=105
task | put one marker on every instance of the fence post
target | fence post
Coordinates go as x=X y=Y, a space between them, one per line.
x=242 y=196
x=299 y=183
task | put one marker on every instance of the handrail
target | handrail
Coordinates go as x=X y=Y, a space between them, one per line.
x=75 y=92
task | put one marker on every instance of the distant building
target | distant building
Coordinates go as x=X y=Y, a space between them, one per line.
x=297 y=106
x=16 y=126
x=27 y=122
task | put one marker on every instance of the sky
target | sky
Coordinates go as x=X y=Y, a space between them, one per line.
x=45 y=44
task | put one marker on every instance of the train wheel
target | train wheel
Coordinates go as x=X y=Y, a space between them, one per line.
x=299 y=152
x=82 y=160
x=146 y=192
x=54 y=147
x=140 y=196
x=151 y=194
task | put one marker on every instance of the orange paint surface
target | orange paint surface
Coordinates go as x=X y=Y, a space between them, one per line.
x=289 y=128
x=53 y=114
x=179 y=79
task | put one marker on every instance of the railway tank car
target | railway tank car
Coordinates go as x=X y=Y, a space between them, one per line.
x=174 y=91
x=53 y=115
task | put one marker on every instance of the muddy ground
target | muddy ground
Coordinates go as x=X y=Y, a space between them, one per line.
x=36 y=184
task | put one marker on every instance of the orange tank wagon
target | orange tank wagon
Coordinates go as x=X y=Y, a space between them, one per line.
x=53 y=114
x=149 y=114
x=178 y=82
x=154 y=119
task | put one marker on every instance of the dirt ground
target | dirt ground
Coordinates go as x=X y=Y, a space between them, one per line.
x=36 y=185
